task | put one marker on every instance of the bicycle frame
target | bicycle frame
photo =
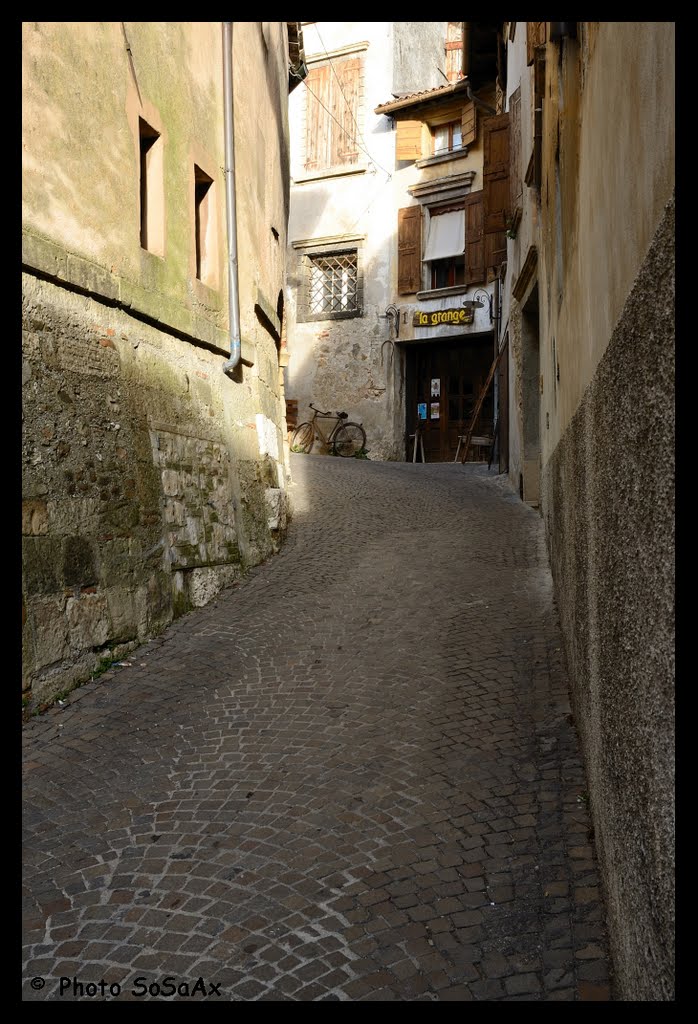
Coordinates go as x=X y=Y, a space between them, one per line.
x=326 y=440
x=345 y=438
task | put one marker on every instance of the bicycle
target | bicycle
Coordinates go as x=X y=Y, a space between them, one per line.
x=346 y=438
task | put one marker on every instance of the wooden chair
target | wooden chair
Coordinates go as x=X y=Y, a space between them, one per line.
x=418 y=440
x=476 y=441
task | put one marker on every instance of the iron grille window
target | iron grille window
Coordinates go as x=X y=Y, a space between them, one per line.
x=334 y=285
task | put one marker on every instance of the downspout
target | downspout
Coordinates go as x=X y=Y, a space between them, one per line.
x=478 y=102
x=230 y=210
x=467 y=69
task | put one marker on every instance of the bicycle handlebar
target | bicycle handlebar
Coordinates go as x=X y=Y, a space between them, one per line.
x=320 y=410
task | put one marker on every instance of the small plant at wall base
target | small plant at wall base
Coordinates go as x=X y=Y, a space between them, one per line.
x=361 y=454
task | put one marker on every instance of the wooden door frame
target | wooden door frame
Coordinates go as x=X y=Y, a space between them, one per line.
x=437 y=347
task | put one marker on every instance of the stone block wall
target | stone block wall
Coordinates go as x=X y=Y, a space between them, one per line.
x=146 y=484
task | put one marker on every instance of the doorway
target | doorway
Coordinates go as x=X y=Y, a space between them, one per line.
x=444 y=380
x=530 y=381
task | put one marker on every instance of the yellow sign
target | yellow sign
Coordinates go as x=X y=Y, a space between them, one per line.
x=455 y=317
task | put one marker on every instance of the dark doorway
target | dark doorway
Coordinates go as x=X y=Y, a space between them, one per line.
x=530 y=384
x=503 y=410
x=445 y=378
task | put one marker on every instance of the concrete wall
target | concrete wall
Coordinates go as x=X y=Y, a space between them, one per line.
x=604 y=229
x=150 y=478
x=608 y=499
x=351 y=364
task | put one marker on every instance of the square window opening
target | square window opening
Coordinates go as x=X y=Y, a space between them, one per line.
x=448 y=273
x=333 y=287
x=447 y=138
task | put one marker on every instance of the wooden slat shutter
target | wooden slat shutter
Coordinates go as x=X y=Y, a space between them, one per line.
x=408 y=143
x=535 y=36
x=538 y=95
x=496 y=172
x=474 y=246
x=317 y=133
x=495 y=252
x=409 y=250
x=515 y=178
x=345 y=107
x=454 y=51
x=468 y=124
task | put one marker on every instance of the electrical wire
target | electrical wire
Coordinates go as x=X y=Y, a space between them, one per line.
x=339 y=82
x=341 y=125
x=380 y=189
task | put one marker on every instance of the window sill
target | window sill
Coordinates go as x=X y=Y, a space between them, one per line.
x=443 y=158
x=313 y=318
x=438 y=293
x=332 y=173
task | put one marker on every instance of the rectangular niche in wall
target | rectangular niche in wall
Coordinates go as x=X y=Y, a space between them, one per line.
x=205 y=228
x=152 y=200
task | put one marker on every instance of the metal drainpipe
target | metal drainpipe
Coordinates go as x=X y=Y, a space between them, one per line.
x=478 y=102
x=230 y=210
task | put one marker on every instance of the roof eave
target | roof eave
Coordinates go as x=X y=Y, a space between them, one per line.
x=420 y=99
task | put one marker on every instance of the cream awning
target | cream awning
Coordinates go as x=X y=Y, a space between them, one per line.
x=446 y=235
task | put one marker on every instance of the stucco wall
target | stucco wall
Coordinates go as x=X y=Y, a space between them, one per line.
x=418 y=53
x=608 y=496
x=353 y=364
x=150 y=477
x=609 y=110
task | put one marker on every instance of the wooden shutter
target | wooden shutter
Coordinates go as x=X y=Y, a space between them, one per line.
x=538 y=95
x=408 y=144
x=468 y=124
x=535 y=36
x=344 y=90
x=409 y=250
x=317 y=119
x=496 y=172
x=495 y=252
x=474 y=245
x=454 y=51
x=515 y=178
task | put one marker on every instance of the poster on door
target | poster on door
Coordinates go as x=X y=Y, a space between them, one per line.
x=435 y=410
x=422 y=411
x=436 y=388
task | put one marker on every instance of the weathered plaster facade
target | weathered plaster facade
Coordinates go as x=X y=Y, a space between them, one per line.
x=601 y=296
x=351 y=364
x=150 y=477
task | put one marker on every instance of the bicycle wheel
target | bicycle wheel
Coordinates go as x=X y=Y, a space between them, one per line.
x=349 y=439
x=303 y=438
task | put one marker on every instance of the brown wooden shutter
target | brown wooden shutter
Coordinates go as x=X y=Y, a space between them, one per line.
x=468 y=124
x=345 y=107
x=409 y=250
x=495 y=252
x=317 y=132
x=515 y=177
x=474 y=246
x=535 y=36
x=538 y=95
x=496 y=172
x=408 y=143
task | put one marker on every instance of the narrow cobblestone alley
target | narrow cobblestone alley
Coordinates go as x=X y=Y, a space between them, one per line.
x=354 y=776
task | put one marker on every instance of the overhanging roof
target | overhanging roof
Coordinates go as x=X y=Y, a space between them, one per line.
x=416 y=98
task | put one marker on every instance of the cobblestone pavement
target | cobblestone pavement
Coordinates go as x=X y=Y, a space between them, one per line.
x=353 y=777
